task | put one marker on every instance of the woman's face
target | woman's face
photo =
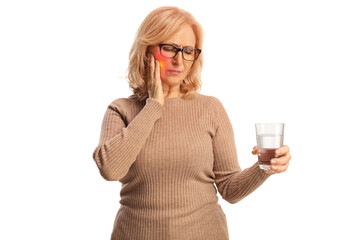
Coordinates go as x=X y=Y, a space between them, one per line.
x=174 y=70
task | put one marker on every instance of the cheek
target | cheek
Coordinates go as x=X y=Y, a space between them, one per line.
x=160 y=58
x=188 y=68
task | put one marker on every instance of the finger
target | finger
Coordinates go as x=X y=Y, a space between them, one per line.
x=269 y=171
x=149 y=59
x=152 y=66
x=157 y=71
x=282 y=150
x=281 y=160
x=150 y=70
x=255 y=150
x=279 y=168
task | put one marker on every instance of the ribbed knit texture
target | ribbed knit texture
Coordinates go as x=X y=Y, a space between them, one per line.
x=169 y=159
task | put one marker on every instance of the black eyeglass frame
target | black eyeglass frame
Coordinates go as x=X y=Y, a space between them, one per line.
x=180 y=50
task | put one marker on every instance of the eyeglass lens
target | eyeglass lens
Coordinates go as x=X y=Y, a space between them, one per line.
x=170 y=52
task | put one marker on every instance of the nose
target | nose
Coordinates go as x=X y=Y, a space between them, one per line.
x=178 y=60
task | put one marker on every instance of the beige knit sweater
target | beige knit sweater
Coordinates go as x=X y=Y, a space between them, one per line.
x=169 y=159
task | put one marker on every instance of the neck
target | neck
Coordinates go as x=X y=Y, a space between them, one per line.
x=171 y=91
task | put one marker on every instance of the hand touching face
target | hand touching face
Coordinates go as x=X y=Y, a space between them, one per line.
x=153 y=80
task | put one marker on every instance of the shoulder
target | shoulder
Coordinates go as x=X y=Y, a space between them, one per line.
x=215 y=109
x=211 y=102
x=124 y=104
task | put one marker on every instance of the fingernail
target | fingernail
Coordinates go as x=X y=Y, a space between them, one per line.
x=277 y=151
x=273 y=161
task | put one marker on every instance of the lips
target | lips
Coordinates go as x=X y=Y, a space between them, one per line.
x=174 y=72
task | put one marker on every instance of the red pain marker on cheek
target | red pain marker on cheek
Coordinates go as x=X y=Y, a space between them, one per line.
x=161 y=63
x=160 y=59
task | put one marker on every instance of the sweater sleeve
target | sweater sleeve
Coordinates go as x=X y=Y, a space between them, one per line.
x=119 y=144
x=232 y=183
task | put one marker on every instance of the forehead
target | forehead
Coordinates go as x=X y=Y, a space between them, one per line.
x=185 y=37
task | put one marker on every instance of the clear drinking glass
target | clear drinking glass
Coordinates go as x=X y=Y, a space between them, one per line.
x=269 y=137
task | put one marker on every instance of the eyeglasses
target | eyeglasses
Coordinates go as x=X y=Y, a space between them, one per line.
x=171 y=51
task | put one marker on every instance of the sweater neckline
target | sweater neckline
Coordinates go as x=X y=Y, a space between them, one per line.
x=177 y=99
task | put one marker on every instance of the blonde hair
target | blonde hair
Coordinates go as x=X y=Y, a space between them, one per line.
x=158 y=26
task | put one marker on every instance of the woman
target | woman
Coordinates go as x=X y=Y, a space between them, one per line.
x=168 y=144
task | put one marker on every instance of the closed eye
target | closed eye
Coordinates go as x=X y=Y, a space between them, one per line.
x=169 y=48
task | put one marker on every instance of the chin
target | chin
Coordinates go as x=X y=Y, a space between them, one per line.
x=172 y=79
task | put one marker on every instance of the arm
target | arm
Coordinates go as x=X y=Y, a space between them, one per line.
x=120 y=145
x=233 y=183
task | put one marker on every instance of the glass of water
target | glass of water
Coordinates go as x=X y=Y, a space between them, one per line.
x=269 y=137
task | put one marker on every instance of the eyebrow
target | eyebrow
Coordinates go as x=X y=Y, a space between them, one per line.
x=179 y=46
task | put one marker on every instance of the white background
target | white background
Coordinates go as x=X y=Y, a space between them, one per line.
x=297 y=62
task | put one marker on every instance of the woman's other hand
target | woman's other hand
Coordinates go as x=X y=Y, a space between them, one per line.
x=279 y=164
x=154 y=84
